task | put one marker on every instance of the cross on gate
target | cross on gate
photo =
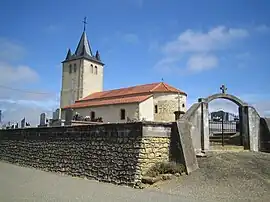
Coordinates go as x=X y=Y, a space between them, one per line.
x=223 y=89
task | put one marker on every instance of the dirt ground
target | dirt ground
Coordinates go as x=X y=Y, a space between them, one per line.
x=227 y=176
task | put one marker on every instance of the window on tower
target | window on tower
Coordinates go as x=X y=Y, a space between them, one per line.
x=92 y=69
x=95 y=69
x=75 y=68
x=70 y=68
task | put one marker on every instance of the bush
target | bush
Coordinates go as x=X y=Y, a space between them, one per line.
x=164 y=168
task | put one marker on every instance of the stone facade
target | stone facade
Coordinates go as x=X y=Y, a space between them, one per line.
x=167 y=104
x=166 y=109
x=116 y=153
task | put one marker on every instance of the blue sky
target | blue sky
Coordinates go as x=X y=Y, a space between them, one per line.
x=193 y=45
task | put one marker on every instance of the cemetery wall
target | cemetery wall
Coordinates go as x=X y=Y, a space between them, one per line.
x=116 y=153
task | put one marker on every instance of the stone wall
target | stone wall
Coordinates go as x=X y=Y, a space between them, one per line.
x=116 y=153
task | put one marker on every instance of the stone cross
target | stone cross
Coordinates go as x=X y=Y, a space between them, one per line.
x=84 y=23
x=223 y=89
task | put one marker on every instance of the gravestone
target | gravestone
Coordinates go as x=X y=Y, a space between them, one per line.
x=42 y=121
x=188 y=153
x=68 y=116
x=56 y=114
x=23 y=123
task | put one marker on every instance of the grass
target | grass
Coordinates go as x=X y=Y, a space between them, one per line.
x=165 y=168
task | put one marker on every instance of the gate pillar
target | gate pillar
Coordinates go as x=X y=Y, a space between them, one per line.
x=205 y=142
x=244 y=127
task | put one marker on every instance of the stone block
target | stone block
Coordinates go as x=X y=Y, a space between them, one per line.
x=189 y=159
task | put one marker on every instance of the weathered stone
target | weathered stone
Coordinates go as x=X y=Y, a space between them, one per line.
x=120 y=153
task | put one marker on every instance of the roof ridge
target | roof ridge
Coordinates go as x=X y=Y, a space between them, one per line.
x=158 y=84
x=166 y=86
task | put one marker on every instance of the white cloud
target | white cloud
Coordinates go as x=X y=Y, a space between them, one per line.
x=14 y=75
x=201 y=47
x=200 y=62
x=15 y=102
x=215 y=39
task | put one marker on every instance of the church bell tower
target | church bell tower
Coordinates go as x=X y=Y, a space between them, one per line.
x=82 y=72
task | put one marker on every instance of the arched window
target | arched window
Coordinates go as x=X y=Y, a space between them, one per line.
x=70 y=68
x=75 y=68
x=92 y=71
x=95 y=69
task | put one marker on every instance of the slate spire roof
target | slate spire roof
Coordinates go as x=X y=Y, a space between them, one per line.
x=83 y=50
x=83 y=47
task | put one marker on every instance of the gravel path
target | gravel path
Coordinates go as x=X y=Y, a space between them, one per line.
x=234 y=176
x=18 y=184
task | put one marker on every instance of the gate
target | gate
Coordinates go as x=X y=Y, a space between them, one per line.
x=224 y=132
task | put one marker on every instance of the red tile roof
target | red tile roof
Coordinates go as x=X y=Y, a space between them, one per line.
x=109 y=101
x=135 y=94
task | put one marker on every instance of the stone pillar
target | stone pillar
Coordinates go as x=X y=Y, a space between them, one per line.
x=254 y=129
x=244 y=128
x=204 y=127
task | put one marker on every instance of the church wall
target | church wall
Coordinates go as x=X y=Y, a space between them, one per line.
x=146 y=109
x=115 y=153
x=92 y=82
x=167 y=104
x=111 y=113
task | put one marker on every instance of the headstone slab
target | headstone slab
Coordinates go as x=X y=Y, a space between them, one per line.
x=188 y=152
x=23 y=123
x=68 y=116
x=56 y=114
x=42 y=119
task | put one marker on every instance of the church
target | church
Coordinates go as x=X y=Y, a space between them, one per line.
x=82 y=91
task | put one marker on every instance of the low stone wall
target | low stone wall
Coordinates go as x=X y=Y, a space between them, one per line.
x=116 y=153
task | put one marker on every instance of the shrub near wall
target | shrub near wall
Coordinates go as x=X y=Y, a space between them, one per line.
x=116 y=153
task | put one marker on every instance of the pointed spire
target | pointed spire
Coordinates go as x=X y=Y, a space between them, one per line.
x=68 y=54
x=83 y=47
x=97 y=56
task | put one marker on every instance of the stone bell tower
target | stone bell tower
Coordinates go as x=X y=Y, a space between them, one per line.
x=82 y=72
